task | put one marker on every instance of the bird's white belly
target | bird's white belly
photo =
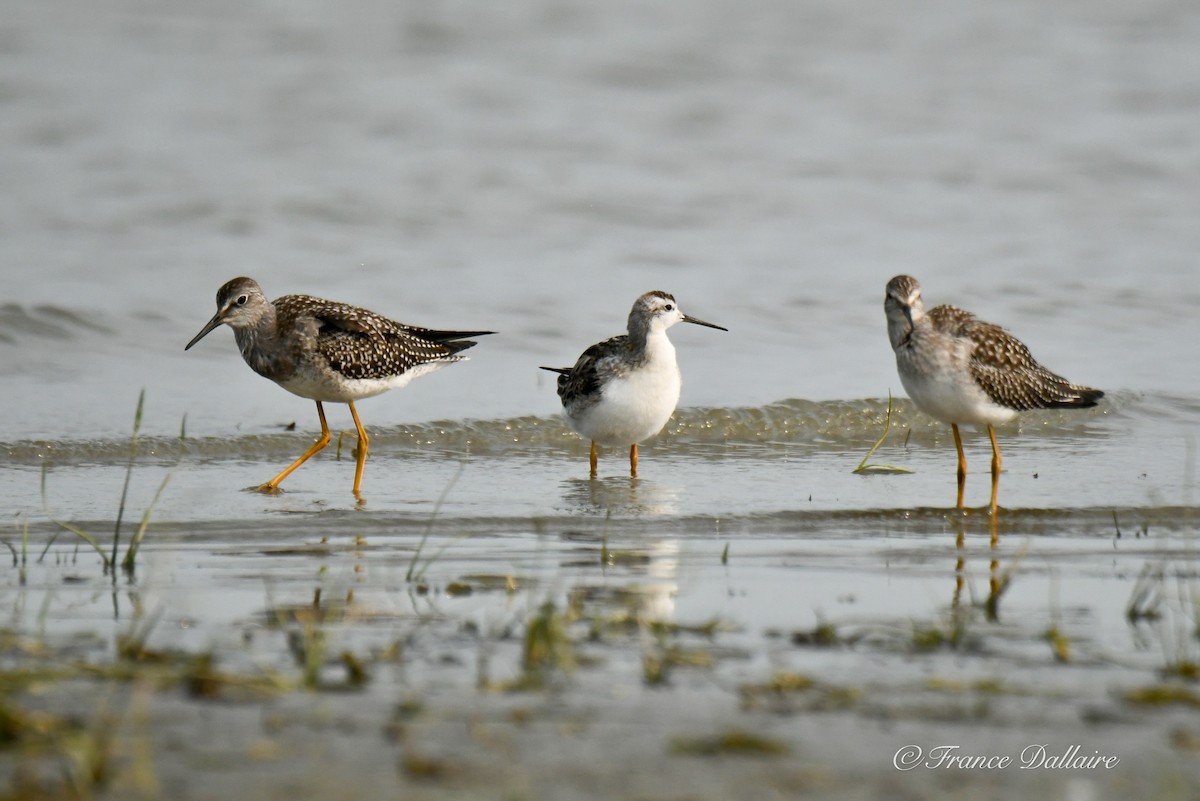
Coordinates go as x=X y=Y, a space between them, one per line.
x=324 y=387
x=632 y=407
x=953 y=398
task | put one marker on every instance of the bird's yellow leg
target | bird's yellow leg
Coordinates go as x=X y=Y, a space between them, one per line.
x=960 y=565
x=593 y=459
x=962 y=464
x=995 y=468
x=363 y=443
x=633 y=459
x=272 y=486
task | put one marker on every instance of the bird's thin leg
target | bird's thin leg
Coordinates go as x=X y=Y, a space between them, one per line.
x=995 y=468
x=593 y=459
x=363 y=444
x=633 y=459
x=962 y=464
x=960 y=565
x=272 y=486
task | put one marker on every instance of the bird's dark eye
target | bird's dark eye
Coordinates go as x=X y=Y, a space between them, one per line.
x=241 y=301
x=669 y=307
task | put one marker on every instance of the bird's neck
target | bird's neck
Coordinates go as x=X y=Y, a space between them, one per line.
x=261 y=347
x=899 y=331
x=653 y=345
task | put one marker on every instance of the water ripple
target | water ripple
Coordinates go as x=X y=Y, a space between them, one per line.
x=834 y=425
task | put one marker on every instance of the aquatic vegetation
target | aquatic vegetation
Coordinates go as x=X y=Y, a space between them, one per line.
x=863 y=466
x=1162 y=694
x=1164 y=605
x=546 y=652
x=305 y=630
x=1146 y=598
x=1059 y=644
x=20 y=558
x=787 y=692
x=110 y=561
x=1144 y=531
x=547 y=648
x=660 y=656
x=731 y=742
x=822 y=635
x=1184 y=669
x=491 y=582
x=928 y=638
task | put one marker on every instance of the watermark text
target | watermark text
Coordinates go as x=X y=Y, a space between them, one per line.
x=1039 y=756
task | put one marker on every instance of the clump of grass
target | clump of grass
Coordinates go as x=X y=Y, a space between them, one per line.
x=1146 y=598
x=20 y=558
x=110 y=560
x=60 y=749
x=953 y=633
x=305 y=627
x=547 y=648
x=1060 y=645
x=823 y=635
x=1162 y=694
x=456 y=589
x=731 y=742
x=1183 y=669
x=660 y=658
x=928 y=637
x=784 y=691
x=1166 y=604
x=486 y=582
x=424 y=768
x=863 y=467
x=986 y=686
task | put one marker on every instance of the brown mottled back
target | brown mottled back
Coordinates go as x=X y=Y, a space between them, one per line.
x=1006 y=370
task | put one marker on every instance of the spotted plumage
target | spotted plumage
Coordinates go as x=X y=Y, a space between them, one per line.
x=329 y=352
x=961 y=370
x=625 y=388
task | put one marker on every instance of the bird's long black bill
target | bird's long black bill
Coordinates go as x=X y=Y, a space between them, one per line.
x=213 y=323
x=689 y=319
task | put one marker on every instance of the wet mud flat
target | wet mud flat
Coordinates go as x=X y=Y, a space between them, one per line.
x=841 y=655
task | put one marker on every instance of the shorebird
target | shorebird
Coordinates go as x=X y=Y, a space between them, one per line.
x=959 y=369
x=329 y=353
x=624 y=389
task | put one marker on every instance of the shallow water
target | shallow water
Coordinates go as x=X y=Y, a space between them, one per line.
x=531 y=168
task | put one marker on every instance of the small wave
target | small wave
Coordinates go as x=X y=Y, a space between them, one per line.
x=833 y=425
x=43 y=322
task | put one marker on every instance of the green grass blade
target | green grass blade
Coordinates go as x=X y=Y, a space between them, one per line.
x=863 y=467
x=78 y=532
x=139 y=535
x=133 y=447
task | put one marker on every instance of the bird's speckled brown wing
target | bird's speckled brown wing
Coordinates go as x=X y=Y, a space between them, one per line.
x=1005 y=369
x=359 y=343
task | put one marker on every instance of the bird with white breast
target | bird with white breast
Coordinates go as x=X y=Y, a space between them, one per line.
x=624 y=389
